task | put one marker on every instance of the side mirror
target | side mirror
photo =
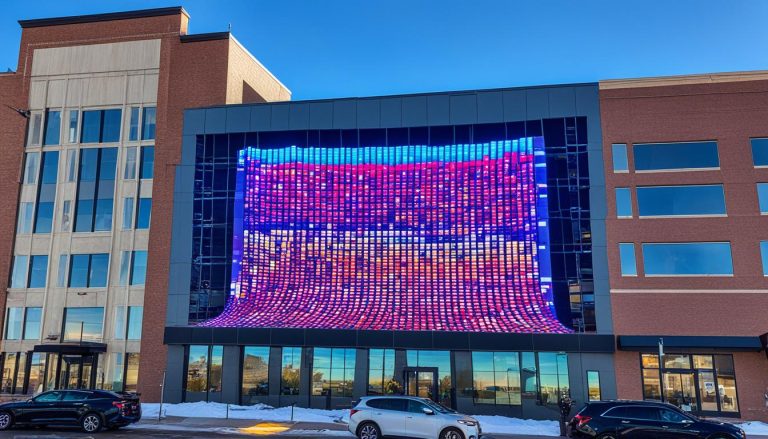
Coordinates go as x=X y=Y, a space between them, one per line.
x=427 y=411
x=687 y=421
x=30 y=401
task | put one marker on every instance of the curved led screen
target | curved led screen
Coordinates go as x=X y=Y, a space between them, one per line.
x=447 y=238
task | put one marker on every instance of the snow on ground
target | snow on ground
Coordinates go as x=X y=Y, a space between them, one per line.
x=754 y=427
x=505 y=425
x=261 y=412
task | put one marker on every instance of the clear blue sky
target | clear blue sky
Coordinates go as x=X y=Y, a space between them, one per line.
x=339 y=48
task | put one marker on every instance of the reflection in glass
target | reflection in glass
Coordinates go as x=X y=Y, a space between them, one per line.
x=670 y=156
x=36 y=373
x=623 y=202
x=214 y=377
x=131 y=371
x=688 y=259
x=30 y=167
x=147 y=162
x=593 y=385
x=129 y=173
x=143 y=213
x=139 y=267
x=759 y=152
x=707 y=391
x=672 y=361
x=32 y=320
x=133 y=127
x=627 y=259
x=381 y=372
x=441 y=360
x=333 y=372
x=197 y=369
x=19 y=275
x=25 y=218
x=9 y=372
x=496 y=378
x=291 y=370
x=38 y=271
x=83 y=324
x=52 y=128
x=620 y=163
x=21 y=371
x=255 y=373
x=13 y=323
x=135 y=317
x=72 y=129
x=553 y=376
x=148 y=123
x=681 y=200
x=762 y=197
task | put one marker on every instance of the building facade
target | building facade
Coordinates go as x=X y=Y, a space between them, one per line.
x=95 y=138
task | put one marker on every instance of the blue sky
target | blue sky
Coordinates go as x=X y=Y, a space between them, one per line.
x=340 y=48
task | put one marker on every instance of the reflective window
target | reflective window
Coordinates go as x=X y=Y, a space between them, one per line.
x=9 y=372
x=593 y=385
x=496 y=378
x=111 y=128
x=131 y=371
x=83 y=324
x=24 y=225
x=687 y=259
x=36 y=373
x=530 y=379
x=148 y=123
x=759 y=152
x=139 y=267
x=21 y=372
x=97 y=275
x=38 y=271
x=133 y=127
x=671 y=156
x=44 y=217
x=627 y=258
x=125 y=267
x=121 y=317
x=90 y=132
x=46 y=193
x=35 y=122
x=147 y=162
x=333 y=371
x=101 y=126
x=623 y=202
x=204 y=369
x=255 y=373
x=381 y=372
x=19 y=275
x=764 y=256
x=291 y=371
x=118 y=369
x=762 y=197
x=30 y=167
x=620 y=163
x=32 y=321
x=72 y=129
x=726 y=383
x=143 y=213
x=14 y=319
x=553 y=376
x=135 y=316
x=52 y=134
x=62 y=273
x=88 y=270
x=71 y=165
x=442 y=361
x=681 y=200
x=66 y=215
x=127 y=213
x=129 y=173
x=96 y=189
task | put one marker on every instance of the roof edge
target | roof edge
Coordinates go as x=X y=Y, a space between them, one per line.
x=210 y=36
x=109 y=16
x=700 y=78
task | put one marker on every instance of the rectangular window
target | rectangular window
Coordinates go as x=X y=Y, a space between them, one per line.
x=83 y=324
x=46 y=192
x=762 y=197
x=496 y=378
x=255 y=373
x=135 y=316
x=66 y=215
x=681 y=200
x=197 y=369
x=121 y=318
x=131 y=371
x=38 y=271
x=620 y=163
x=333 y=372
x=675 y=156
x=133 y=127
x=73 y=123
x=623 y=202
x=138 y=267
x=291 y=371
x=71 y=165
x=125 y=268
x=35 y=123
x=30 y=167
x=32 y=319
x=148 y=123
x=759 y=152
x=764 y=256
x=21 y=371
x=127 y=213
x=627 y=257
x=19 y=275
x=44 y=217
x=36 y=373
x=62 y=273
x=553 y=376
x=129 y=173
x=101 y=126
x=89 y=271
x=14 y=319
x=9 y=372
x=118 y=369
x=147 y=162
x=688 y=259
x=52 y=134
x=143 y=213
x=25 y=218
x=381 y=372
x=593 y=385
x=95 y=191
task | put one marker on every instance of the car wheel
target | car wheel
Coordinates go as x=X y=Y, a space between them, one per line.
x=451 y=433
x=368 y=430
x=6 y=420
x=91 y=423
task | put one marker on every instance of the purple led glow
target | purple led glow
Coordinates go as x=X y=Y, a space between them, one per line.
x=449 y=238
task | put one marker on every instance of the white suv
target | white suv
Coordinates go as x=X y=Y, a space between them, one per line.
x=408 y=416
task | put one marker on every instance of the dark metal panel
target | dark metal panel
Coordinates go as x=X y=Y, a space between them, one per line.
x=645 y=342
x=330 y=337
x=413 y=339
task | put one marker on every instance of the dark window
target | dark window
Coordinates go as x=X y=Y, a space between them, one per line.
x=148 y=123
x=671 y=416
x=416 y=406
x=46 y=192
x=88 y=270
x=147 y=162
x=95 y=189
x=75 y=396
x=111 y=129
x=642 y=413
x=759 y=152
x=101 y=126
x=616 y=412
x=144 y=213
x=681 y=200
x=48 y=396
x=38 y=271
x=52 y=128
x=669 y=156
x=396 y=404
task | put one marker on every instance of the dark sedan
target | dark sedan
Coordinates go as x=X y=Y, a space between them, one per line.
x=645 y=420
x=92 y=410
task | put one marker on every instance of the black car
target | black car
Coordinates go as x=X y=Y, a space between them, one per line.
x=645 y=420
x=92 y=410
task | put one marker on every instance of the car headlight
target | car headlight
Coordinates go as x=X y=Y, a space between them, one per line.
x=467 y=422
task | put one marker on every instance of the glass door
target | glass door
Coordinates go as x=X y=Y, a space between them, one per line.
x=680 y=390
x=70 y=371
x=421 y=382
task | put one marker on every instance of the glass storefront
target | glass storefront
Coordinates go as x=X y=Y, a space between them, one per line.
x=699 y=383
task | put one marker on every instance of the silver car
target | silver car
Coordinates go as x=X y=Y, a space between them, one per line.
x=409 y=416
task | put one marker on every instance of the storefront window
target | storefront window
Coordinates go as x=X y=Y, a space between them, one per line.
x=197 y=369
x=290 y=371
x=593 y=385
x=726 y=383
x=496 y=378
x=21 y=371
x=255 y=373
x=529 y=374
x=9 y=372
x=442 y=361
x=553 y=376
x=36 y=373
x=333 y=372
x=131 y=372
x=50 y=376
x=381 y=372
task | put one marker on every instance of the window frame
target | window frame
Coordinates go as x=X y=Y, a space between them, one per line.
x=676 y=275
x=639 y=189
x=648 y=171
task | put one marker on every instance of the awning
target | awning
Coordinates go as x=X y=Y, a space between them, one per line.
x=693 y=342
x=84 y=348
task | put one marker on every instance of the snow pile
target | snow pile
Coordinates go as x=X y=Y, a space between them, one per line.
x=261 y=412
x=505 y=425
x=754 y=427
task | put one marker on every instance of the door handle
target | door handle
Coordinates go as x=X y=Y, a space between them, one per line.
x=625 y=422
x=665 y=426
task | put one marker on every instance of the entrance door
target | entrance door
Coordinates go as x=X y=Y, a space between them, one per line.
x=421 y=382
x=77 y=371
x=680 y=390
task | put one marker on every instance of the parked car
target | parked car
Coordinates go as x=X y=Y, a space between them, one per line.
x=92 y=410
x=645 y=420
x=409 y=416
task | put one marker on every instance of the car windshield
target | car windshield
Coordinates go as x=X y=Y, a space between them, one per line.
x=437 y=406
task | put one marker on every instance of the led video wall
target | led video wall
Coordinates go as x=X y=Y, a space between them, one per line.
x=449 y=238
